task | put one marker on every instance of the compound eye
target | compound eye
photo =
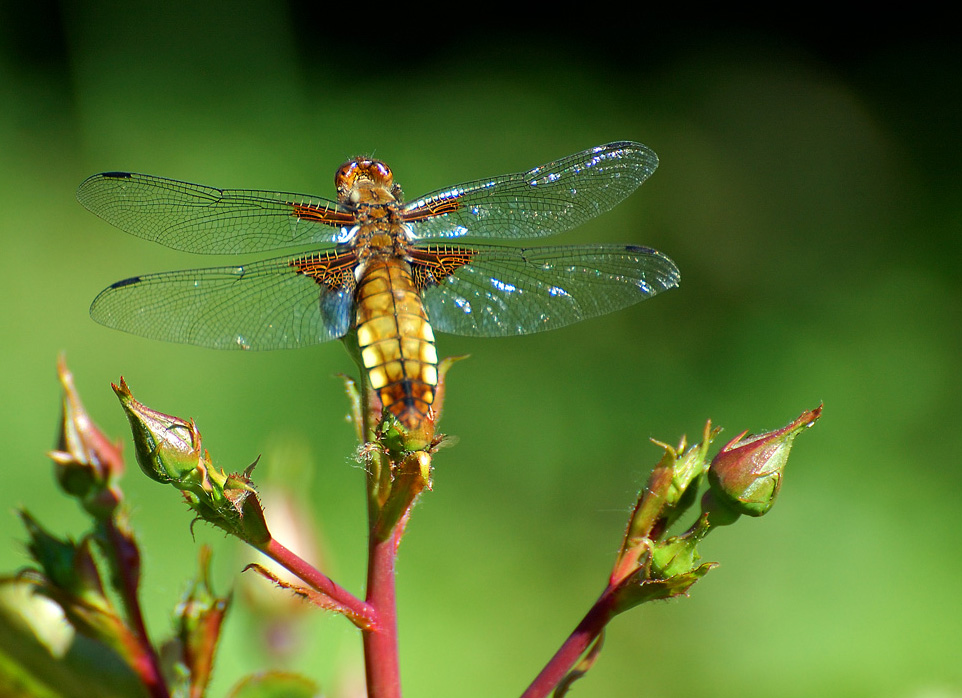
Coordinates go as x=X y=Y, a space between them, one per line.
x=346 y=175
x=382 y=171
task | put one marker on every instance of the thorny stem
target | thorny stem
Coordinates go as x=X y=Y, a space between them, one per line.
x=310 y=574
x=125 y=559
x=574 y=647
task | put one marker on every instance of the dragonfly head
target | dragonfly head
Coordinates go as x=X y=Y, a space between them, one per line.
x=365 y=181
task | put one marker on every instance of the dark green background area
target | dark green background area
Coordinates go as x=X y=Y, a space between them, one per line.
x=809 y=190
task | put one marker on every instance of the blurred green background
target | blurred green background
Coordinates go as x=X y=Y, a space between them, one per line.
x=809 y=190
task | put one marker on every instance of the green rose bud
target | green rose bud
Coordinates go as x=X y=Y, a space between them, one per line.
x=168 y=449
x=747 y=473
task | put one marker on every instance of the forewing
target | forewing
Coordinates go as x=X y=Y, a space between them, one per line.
x=489 y=291
x=546 y=200
x=197 y=218
x=271 y=304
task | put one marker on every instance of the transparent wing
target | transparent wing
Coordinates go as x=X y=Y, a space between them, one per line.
x=196 y=218
x=503 y=291
x=263 y=305
x=546 y=200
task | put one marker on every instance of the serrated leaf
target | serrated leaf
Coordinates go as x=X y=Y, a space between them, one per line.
x=637 y=589
x=314 y=596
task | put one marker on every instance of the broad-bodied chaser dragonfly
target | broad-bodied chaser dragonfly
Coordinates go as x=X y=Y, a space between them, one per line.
x=387 y=270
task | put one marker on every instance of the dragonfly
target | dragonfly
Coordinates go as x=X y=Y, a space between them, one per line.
x=383 y=273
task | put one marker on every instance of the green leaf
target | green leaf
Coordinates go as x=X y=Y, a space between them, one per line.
x=637 y=589
x=275 y=684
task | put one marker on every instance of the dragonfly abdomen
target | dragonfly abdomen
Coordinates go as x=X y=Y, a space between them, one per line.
x=396 y=341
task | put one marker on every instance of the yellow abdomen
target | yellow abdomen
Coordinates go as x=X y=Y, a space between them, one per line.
x=395 y=340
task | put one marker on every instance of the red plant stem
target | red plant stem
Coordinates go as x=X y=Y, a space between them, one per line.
x=576 y=645
x=310 y=574
x=382 y=669
x=380 y=644
x=126 y=559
